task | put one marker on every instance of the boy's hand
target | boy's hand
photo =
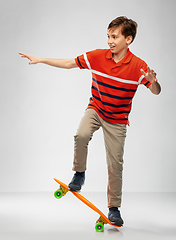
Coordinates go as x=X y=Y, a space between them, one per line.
x=150 y=75
x=33 y=60
x=60 y=63
x=155 y=87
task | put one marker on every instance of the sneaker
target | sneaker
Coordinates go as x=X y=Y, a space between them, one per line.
x=115 y=217
x=77 y=182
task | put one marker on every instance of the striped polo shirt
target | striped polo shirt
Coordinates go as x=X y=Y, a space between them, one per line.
x=113 y=84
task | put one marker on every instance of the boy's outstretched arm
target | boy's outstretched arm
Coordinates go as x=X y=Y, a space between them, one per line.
x=60 y=63
x=155 y=87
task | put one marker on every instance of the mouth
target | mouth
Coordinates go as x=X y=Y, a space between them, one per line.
x=112 y=47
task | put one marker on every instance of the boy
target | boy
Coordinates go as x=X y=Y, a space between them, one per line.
x=116 y=74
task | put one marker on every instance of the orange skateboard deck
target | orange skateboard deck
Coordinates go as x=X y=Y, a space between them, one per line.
x=102 y=219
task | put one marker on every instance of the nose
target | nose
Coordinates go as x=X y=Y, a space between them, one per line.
x=110 y=40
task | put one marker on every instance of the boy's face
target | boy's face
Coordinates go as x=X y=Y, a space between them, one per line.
x=116 y=41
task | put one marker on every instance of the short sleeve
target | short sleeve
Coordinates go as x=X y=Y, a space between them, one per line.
x=84 y=60
x=80 y=61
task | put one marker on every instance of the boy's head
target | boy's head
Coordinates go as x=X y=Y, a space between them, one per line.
x=128 y=26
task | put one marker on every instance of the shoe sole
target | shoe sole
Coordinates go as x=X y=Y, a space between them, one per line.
x=75 y=189
x=117 y=223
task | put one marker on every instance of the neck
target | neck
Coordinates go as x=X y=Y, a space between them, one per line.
x=120 y=55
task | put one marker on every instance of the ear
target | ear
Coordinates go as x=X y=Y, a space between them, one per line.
x=129 y=39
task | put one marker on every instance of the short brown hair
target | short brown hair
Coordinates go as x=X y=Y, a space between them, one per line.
x=128 y=26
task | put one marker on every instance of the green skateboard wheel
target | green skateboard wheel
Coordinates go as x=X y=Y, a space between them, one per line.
x=58 y=194
x=99 y=227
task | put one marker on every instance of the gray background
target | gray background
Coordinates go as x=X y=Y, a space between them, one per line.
x=41 y=106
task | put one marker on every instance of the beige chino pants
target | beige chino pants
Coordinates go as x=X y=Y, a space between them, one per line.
x=114 y=138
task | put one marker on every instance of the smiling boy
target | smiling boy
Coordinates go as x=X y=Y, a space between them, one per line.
x=116 y=75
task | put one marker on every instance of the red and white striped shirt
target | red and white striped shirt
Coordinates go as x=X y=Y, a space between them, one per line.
x=113 y=84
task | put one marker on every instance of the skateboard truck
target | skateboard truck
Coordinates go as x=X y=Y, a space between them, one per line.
x=60 y=192
x=99 y=226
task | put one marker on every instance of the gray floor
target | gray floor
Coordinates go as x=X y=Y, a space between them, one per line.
x=41 y=216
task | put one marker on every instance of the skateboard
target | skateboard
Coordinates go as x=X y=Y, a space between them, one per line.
x=99 y=225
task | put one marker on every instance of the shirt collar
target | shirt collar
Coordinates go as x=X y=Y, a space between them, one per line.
x=124 y=60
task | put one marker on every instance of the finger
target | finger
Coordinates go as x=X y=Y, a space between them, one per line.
x=148 y=69
x=22 y=54
x=153 y=72
x=143 y=72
